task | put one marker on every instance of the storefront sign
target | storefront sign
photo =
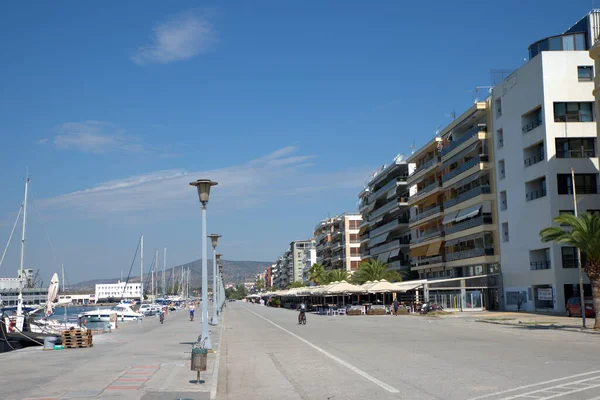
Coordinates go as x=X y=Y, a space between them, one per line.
x=545 y=294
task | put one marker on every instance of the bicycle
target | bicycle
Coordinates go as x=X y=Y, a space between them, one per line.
x=302 y=318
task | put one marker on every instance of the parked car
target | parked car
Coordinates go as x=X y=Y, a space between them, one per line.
x=574 y=307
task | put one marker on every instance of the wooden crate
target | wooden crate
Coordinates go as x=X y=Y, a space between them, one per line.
x=75 y=338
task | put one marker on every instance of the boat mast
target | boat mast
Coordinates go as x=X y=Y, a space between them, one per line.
x=173 y=283
x=164 y=267
x=20 y=298
x=62 y=267
x=142 y=270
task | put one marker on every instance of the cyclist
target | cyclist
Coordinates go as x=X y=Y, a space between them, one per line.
x=192 y=309
x=302 y=314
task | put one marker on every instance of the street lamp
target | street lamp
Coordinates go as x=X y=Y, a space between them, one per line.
x=203 y=186
x=219 y=294
x=214 y=238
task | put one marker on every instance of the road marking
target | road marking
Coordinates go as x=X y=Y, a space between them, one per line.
x=534 y=385
x=580 y=386
x=351 y=367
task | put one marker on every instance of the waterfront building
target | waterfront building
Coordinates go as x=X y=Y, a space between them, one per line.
x=338 y=242
x=118 y=290
x=383 y=203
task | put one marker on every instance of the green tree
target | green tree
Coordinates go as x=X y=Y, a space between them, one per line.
x=295 y=285
x=316 y=273
x=260 y=284
x=337 y=275
x=582 y=232
x=375 y=270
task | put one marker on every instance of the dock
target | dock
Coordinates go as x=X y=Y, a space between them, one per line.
x=136 y=361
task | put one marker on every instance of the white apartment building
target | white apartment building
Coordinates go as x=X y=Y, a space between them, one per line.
x=544 y=125
x=290 y=266
x=383 y=203
x=116 y=290
x=309 y=259
x=338 y=242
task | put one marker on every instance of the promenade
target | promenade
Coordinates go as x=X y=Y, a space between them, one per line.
x=267 y=355
x=137 y=361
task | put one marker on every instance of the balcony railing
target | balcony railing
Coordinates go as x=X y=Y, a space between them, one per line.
x=536 y=194
x=532 y=125
x=429 y=235
x=469 y=194
x=426 y=213
x=534 y=160
x=426 y=189
x=537 y=265
x=384 y=209
x=580 y=189
x=461 y=255
x=471 y=223
x=392 y=184
x=576 y=153
x=464 y=167
x=425 y=165
x=427 y=260
x=468 y=135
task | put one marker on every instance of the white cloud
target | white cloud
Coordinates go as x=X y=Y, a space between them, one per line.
x=94 y=137
x=259 y=181
x=179 y=38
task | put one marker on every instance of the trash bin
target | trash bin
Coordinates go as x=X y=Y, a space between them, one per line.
x=49 y=342
x=199 y=359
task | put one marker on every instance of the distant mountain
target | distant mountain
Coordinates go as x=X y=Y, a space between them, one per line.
x=234 y=272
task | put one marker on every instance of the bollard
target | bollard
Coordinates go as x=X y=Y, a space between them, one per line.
x=199 y=361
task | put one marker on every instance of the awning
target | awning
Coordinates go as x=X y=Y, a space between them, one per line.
x=468 y=213
x=363 y=229
x=430 y=200
x=376 y=220
x=419 y=251
x=450 y=218
x=371 y=206
x=459 y=155
x=394 y=253
x=379 y=239
x=392 y=192
x=464 y=239
x=434 y=249
x=383 y=257
x=467 y=180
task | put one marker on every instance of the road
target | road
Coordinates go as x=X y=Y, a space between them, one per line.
x=267 y=355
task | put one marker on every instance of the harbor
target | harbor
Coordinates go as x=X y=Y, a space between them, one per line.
x=146 y=360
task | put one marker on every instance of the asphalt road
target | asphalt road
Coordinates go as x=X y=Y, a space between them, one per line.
x=267 y=355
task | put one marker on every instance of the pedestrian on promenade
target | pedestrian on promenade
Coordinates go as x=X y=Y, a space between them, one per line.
x=396 y=305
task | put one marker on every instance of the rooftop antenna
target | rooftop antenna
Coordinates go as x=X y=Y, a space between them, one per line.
x=452 y=115
x=412 y=148
x=477 y=88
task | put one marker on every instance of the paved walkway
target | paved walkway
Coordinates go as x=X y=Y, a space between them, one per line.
x=137 y=361
x=534 y=320
x=267 y=355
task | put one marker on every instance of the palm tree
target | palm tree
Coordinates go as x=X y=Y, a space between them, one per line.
x=337 y=275
x=316 y=273
x=375 y=270
x=582 y=232
x=295 y=285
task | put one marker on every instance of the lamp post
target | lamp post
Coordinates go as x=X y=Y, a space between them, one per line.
x=218 y=287
x=221 y=287
x=203 y=186
x=214 y=238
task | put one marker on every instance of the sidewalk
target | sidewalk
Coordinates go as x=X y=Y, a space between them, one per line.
x=532 y=320
x=137 y=361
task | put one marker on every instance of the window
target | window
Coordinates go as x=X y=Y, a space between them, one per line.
x=505 y=231
x=584 y=184
x=514 y=298
x=569 y=257
x=501 y=169
x=503 y=201
x=573 y=112
x=498 y=103
x=565 y=212
x=594 y=212
x=500 y=135
x=575 y=148
x=585 y=73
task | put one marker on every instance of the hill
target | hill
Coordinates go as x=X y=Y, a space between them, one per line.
x=233 y=271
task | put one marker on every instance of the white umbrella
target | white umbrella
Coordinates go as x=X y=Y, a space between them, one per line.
x=344 y=287
x=383 y=286
x=52 y=293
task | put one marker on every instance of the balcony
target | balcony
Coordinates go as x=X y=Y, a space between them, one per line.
x=429 y=234
x=426 y=189
x=469 y=194
x=536 y=194
x=468 y=135
x=580 y=189
x=382 y=210
x=464 y=167
x=390 y=185
x=532 y=125
x=423 y=261
x=461 y=255
x=538 y=265
x=386 y=228
x=426 y=213
x=534 y=160
x=429 y=163
x=472 y=223
x=576 y=153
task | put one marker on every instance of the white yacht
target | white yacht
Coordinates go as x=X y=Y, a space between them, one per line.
x=123 y=311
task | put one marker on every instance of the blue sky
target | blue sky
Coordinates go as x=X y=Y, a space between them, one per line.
x=115 y=106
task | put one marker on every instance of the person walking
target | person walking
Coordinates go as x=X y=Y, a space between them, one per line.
x=396 y=305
